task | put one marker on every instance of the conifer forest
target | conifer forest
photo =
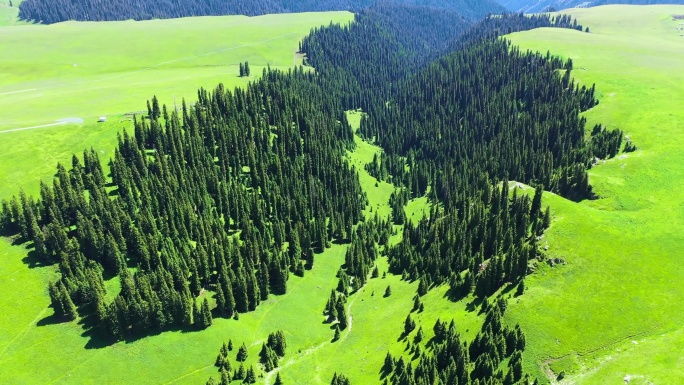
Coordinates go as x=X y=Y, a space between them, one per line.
x=240 y=189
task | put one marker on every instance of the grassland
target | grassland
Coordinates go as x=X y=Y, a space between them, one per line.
x=88 y=70
x=91 y=69
x=614 y=309
x=8 y=15
x=68 y=356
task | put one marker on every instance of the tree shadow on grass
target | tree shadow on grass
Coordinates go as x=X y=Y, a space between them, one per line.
x=454 y=295
x=52 y=319
x=32 y=260
x=474 y=304
x=19 y=240
x=97 y=341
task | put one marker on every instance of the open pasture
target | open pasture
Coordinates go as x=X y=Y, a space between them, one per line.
x=88 y=70
x=613 y=309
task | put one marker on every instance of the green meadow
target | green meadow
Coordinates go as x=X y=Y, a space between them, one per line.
x=88 y=70
x=8 y=15
x=614 y=311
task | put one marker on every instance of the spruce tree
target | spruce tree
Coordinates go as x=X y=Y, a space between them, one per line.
x=242 y=353
x=278 y=380
x=225 y=376
x=250 y=377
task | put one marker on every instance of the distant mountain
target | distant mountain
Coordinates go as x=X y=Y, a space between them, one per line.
x=530 y=6
x=54 y=11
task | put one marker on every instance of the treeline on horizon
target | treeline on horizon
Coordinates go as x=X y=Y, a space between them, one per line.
x=49 y=11
x=229 y=196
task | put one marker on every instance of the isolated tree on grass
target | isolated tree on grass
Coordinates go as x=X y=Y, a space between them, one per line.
x=242 y=353
x=409 y=325
x=278 y=380
x=239 y=373
x=337 y=333
x=250 y=377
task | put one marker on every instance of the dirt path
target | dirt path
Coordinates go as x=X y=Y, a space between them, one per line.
x=32 y=127
x=23 y=333
x=16 y=92
x=313 y=349
x=551 y=375
x=188 y=374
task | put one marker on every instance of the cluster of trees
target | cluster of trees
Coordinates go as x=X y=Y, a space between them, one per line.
x=270 y=353
x=484 y=113
x=340 y=379
x=244 y=69
x=388 y=43
x=272 y=350
x=477 y=247
x=276 y=343
x=228 y=195
x=446 y=359
x=93 y=10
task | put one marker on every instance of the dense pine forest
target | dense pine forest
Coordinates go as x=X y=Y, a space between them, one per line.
x=49 y=12
x=265 y=163
x=237 y=191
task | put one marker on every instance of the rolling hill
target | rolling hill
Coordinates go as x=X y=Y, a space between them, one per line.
x=92 y=10
x=381 y=207
x=533 y=6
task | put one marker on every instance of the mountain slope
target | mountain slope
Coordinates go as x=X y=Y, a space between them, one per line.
x=531 y=6
x=94 y=10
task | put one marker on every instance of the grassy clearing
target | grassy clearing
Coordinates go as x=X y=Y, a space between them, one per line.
x=88 y=70
x=623 y=250
x=377 y=322
x=8 y=15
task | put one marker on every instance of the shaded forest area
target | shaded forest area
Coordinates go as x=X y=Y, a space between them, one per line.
x=243 y=188
x=49 y=11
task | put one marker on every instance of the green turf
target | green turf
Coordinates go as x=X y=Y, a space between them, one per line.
x=8 y=15
x=377 y=322
x=114 y=76
x=622 y=280
x=88 y=70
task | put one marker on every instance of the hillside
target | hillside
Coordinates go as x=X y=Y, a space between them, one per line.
x=608 y=313
x=533 y=6
x=420 y=202
x=49 y=12
x=89 y=70
x=213 y=213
